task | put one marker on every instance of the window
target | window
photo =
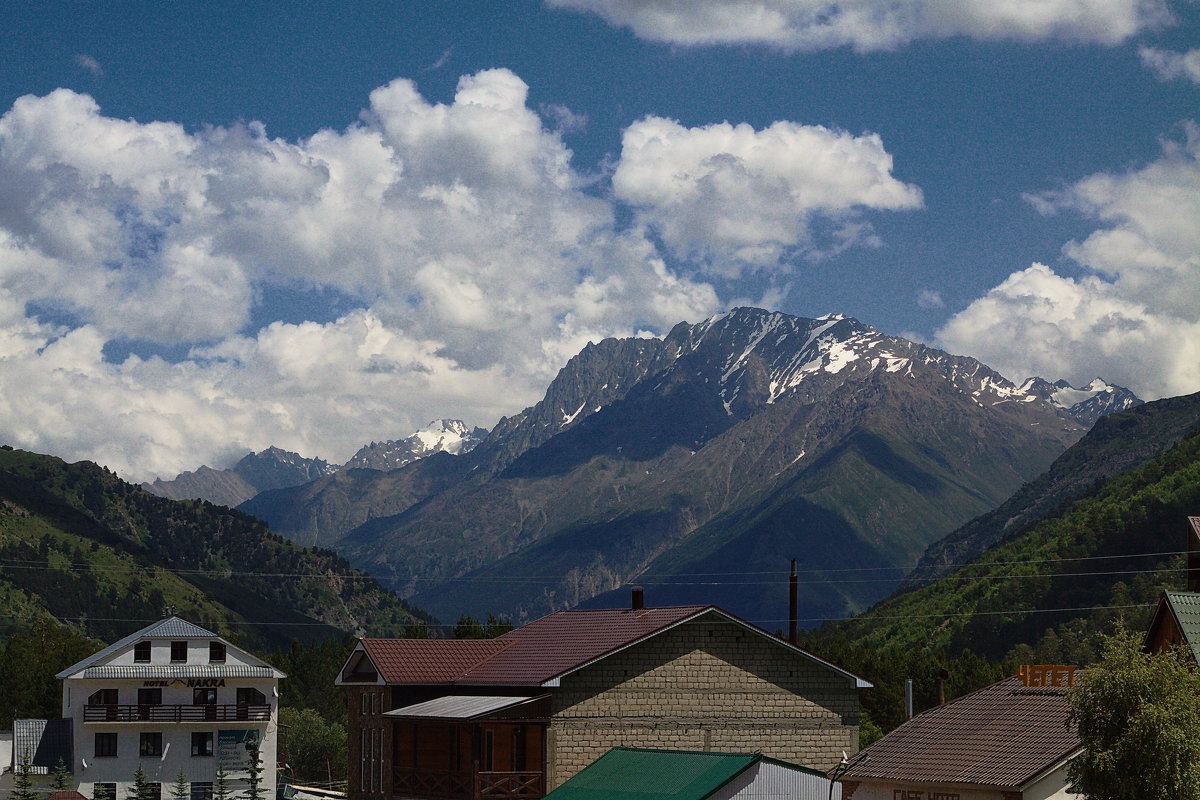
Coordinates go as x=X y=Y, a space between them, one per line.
x=216 y=652
x=150 y=744
x=104 y=791
x=202 y=745
x=251 y=697
x=106 y=745
x=178 y=652
x=202 y=790
x=146 y=699
x=141 y=653
x=103 y=697
x=153 y=792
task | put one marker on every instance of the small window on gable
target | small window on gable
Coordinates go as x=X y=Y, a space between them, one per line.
x=141 y=653
x=216 y=652
x=178 y=652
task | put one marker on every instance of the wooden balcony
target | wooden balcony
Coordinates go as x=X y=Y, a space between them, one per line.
x=470 y=785
x=177 y=713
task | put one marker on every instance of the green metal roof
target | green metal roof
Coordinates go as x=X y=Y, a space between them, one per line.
x=1186 y=608
x=623 y=772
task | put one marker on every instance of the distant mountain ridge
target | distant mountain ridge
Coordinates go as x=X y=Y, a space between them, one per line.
x=275 y=468
x=745 y=439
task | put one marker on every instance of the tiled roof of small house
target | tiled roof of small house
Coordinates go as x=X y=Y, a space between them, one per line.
x=1004 y=735
x=541 y=651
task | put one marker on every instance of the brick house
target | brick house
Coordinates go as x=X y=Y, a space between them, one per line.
x=514 y=717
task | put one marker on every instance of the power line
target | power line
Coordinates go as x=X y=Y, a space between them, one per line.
x=658 y=580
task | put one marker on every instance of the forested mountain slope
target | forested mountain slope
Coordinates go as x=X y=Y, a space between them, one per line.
x=1052 y=586
x=79 y=544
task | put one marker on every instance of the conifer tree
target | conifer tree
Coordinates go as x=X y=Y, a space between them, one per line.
x=23 y=780
x=221 y=790
x=139 y=789
x=254 y=769
x=61 y=777
x=181 y=789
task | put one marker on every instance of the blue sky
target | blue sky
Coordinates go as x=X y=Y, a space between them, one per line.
x=225 y=225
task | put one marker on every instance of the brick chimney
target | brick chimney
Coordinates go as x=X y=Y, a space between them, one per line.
x=638 y=599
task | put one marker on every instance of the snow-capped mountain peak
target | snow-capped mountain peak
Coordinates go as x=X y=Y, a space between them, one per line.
x=441 y=435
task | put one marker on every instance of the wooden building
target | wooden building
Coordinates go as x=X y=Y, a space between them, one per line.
x=514 y=717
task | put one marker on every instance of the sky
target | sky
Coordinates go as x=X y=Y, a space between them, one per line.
x=227 y=225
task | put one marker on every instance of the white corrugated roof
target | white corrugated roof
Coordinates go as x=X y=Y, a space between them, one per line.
x=169 y=628
x=169 y=671
x=459 y=707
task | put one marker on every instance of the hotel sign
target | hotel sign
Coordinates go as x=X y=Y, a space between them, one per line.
x=1046 y=675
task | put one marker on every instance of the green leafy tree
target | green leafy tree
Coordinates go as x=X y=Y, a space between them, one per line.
x=23 y=779
x=28 y=663
x=60 y=777
x=1139 y=721
x=314 y=747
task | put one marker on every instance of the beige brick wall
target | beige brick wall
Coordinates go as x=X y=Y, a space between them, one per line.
x=706 y=685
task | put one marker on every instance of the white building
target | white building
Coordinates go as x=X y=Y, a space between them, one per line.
x=172 y=698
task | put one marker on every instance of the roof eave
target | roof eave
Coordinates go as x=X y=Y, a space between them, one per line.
x=859 y=683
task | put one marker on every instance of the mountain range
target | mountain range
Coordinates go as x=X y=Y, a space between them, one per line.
x=275 y=468
x=699 y=464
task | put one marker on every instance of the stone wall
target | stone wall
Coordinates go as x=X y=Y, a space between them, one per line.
x=707 y=685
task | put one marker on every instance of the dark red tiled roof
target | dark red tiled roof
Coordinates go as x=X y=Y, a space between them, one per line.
x=548 y=647
x=530 y=655
x=429 y=660
x=1003 y=735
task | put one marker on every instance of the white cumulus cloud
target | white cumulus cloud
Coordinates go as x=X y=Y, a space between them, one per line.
x=461 y=230
x=871 y=25
x=1134 y=317
x=737 y=198
x=1170 y=65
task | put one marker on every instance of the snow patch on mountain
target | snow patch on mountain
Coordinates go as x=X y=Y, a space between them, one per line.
x=439 y=436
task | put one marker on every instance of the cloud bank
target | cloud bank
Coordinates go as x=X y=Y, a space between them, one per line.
x=474 y=258
x=1133 y=316
x=734 y=198
x=872 y=25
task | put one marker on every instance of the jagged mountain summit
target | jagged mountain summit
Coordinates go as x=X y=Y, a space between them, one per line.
x=275 y=468
x=727 y=446
x=272 y=468
x=441 y=435
x=1098 y=399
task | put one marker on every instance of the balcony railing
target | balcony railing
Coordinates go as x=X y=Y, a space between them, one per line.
x=240 y=712
x=465 y=785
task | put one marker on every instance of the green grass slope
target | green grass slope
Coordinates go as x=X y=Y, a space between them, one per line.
x=81 y=545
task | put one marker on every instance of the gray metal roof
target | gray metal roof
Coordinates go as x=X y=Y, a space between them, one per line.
x=169 y=671
x=459 y=707
x=46 y=741
x=169 y=628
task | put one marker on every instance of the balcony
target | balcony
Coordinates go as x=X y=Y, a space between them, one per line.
x=177 y=713
x=469 y=785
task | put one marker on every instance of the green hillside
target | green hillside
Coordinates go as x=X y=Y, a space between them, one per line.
x=80 y=545
x=1105 y=555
